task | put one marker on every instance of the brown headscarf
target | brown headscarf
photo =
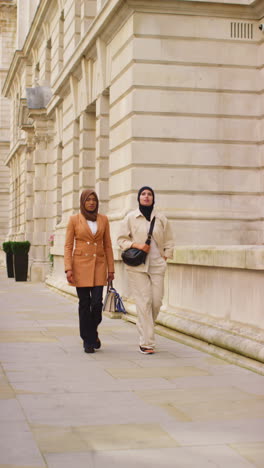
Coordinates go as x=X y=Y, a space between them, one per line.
x=90 y=215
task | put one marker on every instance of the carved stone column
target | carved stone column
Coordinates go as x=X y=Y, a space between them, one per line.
x=42 y=194
x=29 y=194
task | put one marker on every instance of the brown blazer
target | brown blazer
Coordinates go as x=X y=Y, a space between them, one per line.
x=92 y=255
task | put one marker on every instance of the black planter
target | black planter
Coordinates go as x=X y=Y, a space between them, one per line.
x=9 y=265
x=21 y=266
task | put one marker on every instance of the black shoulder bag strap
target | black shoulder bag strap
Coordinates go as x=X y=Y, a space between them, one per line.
x=151 y=227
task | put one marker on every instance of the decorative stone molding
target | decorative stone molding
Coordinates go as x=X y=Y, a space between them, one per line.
x=249 y=257
x=24 y=122
x=5 y=6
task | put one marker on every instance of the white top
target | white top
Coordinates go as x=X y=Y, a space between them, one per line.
x=92 y=225
x=154 y=254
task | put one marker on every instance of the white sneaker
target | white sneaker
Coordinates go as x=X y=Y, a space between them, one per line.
x=144 y=350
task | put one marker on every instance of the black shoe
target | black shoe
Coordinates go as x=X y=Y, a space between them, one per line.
x=88 y=349
x=97 y=344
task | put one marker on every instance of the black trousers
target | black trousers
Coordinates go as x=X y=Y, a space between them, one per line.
x=90 y=313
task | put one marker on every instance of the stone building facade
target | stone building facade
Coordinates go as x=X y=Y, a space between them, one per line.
x=117 y=94
x=7 y=47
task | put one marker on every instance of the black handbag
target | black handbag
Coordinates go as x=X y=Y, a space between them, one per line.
x=135 y=257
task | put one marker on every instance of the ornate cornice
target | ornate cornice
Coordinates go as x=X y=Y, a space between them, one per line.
x=17 y=149
x=5 y=5
x=218 y=8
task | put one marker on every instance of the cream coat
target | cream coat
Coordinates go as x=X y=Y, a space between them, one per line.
x=89 y=256
x=134 y=228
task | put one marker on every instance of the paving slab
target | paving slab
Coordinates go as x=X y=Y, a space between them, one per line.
x=62 y=408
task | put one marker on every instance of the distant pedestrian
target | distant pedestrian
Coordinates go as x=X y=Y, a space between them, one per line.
x=147 y=280
x=89 y=265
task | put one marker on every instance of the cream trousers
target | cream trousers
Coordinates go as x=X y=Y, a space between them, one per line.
x=147 y=290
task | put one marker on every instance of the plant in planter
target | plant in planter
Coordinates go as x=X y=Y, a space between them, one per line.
x=7 y=248
x=20 y=251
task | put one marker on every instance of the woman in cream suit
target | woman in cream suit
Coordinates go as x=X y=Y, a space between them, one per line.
x=147 y=280
x=89 y=264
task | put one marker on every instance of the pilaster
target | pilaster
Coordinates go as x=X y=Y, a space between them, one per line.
x=70 y=170
x=87 y=150
x=102 y=151
x=41 y=194
x=88 y=12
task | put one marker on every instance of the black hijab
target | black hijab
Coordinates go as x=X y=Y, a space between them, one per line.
x=146 y=210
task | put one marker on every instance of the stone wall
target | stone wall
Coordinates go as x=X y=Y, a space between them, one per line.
x=7 y=46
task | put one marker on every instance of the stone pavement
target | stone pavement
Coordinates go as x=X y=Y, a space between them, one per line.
x=117 y=408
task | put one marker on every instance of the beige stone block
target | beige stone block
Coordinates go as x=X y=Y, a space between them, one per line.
x=70 y=184
x=68 y=119
x=72 y=30
x=102 y=106
x=121 y=36
x=102 y=147
x=216 y=207
x=120 y=134
x=202 y=128
x=40 y=211
x=121 y=157
x=199 y=180
x=40 y=183
x=109 y=437
x=71 y=136
x=225 y=410
x=253 y=452
x=120 y=182
x=185 y=396
x=88 y=8
x=168 y=373
x=230 y=256
x=122 y=58
x=70 y=167
x=70 y=202
x=201 y=256
x=122 y=84
x=247 y=290
x=208 y=405
x=101 y=187
x=177 y=26
x=193 y=51
x=255 y=258
x=87 y=179
x=87 y=139
x=193 y=77
x=12 y=336
x=187 y=101
x=87 y=159
x=70 y=149
x=102 y=127
x=58 y=439
x=123 y=107
x=102 y=169
x=6 y=390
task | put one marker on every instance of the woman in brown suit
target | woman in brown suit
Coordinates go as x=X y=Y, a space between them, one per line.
x=89 y=264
